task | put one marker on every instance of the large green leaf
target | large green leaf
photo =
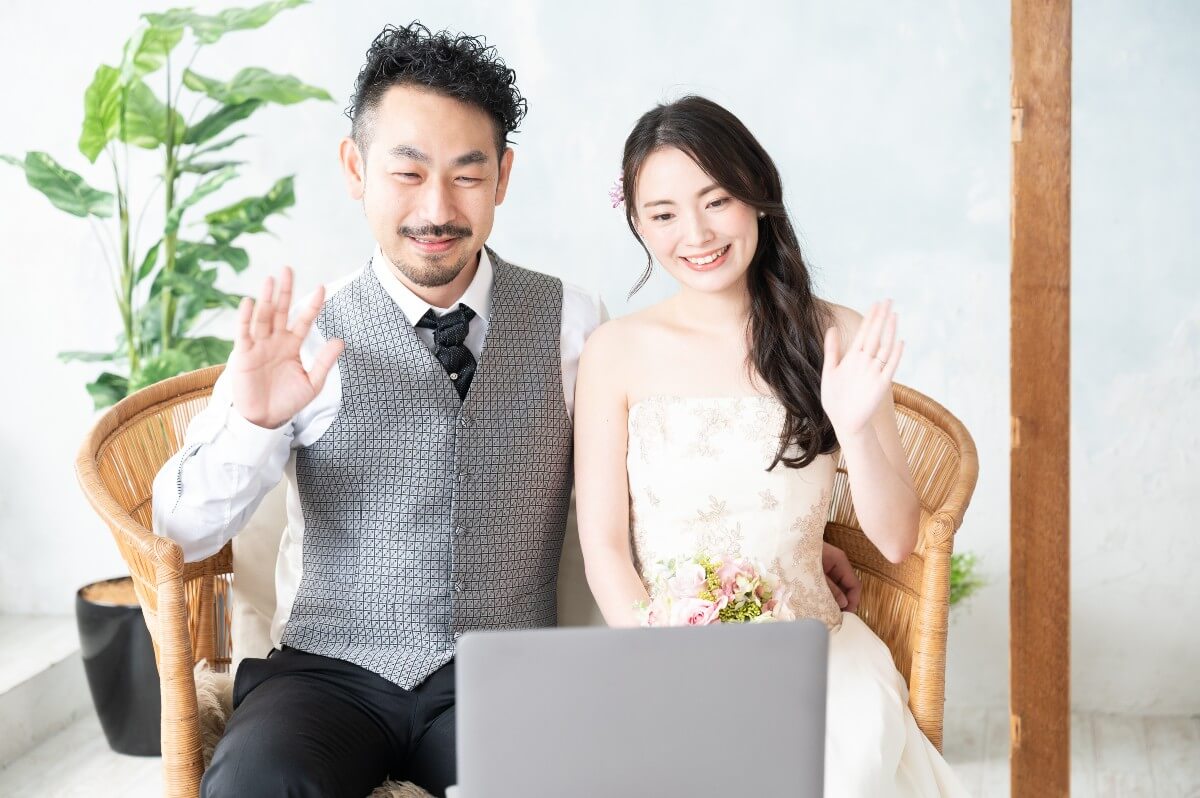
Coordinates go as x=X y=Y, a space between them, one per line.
x=198 y=286
x=207 y=350
x=205 y=167
x=147 y=50
x=66 y=190
x=128 y=112
x=220 y=145
x=207 y=186
x=145 y=118
x=248 y=215
x=193 y=253
x=188 y=354
x=108 y=389
x=255 y=83
x=196 y=292
x=209 y=29
x=88 y=357
x=101 y=108
x=148 y=321
x=149 y=262
x=160 y=367
x=212 y=125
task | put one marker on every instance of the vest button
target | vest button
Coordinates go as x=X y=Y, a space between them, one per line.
x=454 y=375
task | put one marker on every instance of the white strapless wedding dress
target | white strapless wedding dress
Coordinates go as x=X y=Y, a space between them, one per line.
x=698 y=484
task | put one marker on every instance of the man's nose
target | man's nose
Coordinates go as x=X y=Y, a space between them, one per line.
x=436 y=207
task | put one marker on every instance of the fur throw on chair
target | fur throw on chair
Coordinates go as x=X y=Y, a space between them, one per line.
x=214 y=696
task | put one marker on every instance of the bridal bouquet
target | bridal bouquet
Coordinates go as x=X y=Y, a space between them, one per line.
x=704 y=590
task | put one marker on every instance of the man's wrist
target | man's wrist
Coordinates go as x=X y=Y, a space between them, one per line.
x=251 y=443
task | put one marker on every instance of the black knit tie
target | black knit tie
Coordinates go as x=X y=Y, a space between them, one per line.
x=449 y=332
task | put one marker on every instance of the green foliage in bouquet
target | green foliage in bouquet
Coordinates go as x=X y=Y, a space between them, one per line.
x=162 y=291
x=964 y=576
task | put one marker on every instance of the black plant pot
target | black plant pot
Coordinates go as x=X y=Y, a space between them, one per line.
x=118 y=658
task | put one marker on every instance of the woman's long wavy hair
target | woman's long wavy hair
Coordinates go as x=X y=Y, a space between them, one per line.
x=787 y=323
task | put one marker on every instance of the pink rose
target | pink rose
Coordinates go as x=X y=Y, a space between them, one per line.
x=693 y=612
x=688 y=581
x=731 y=570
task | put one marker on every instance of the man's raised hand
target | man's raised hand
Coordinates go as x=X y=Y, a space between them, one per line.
x=270 y=384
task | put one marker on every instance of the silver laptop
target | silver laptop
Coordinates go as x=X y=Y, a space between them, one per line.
x=736 y=709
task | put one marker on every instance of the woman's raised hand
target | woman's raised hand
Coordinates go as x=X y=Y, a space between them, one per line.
x=270 y=384
x=854 y=384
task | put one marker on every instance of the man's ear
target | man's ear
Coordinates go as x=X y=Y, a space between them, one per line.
x=506 y=162
x=354 y=167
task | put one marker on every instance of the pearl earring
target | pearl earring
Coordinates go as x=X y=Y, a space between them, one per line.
x=762 y=214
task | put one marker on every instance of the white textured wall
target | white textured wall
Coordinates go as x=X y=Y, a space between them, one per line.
x=890 y=124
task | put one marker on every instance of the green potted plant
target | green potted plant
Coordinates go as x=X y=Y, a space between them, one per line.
x=164 y=284
x=964 y=576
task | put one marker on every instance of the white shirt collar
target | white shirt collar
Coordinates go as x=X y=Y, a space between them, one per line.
x=478 y=296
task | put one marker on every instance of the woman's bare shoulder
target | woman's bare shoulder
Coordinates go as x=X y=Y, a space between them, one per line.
x=847 y=319
x=627 y=331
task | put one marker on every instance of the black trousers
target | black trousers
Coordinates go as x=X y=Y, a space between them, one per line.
x=307 y=725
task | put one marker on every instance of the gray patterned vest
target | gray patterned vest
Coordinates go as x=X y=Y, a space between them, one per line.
x=424 y=516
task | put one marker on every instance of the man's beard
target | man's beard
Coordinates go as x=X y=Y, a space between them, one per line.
x=432 y=271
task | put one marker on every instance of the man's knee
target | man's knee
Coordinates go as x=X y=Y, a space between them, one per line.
x=264 y=763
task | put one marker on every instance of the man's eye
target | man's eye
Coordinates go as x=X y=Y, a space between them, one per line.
x=469 y=181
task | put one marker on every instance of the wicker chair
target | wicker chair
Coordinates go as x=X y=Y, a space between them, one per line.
x=187 y=612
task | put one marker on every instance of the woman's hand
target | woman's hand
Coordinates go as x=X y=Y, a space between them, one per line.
x=854 y=384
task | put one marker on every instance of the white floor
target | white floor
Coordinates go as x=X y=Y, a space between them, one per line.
x=1112 y=756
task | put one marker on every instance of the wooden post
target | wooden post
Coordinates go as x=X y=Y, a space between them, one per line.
x=1040 y=488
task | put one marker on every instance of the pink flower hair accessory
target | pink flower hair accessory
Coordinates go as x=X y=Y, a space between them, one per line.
x=616 y=193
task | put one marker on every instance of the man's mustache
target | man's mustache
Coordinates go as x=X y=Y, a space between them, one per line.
x=436 y=231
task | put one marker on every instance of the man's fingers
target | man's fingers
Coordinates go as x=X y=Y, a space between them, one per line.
x=328 y=355
x=840 y=573
x=245 y=312
x=283 y=302
x=264 y=310
x=838 y=595
x=852 y=594
x=307 y=314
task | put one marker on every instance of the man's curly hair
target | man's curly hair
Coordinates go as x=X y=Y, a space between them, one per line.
x=454 y=65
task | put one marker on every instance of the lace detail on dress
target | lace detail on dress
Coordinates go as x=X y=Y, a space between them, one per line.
x=698 y=483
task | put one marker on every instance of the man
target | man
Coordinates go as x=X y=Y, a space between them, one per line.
x=422 y=417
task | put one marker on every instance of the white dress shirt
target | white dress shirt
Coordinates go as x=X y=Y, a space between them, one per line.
x=207 y=492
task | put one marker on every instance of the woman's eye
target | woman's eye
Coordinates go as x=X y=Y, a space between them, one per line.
x=719 y=203
x=662 y=217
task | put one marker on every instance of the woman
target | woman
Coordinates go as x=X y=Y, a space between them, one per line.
x=709 y=423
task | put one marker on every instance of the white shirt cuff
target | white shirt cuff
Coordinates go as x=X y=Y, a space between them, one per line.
x=248 y=444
